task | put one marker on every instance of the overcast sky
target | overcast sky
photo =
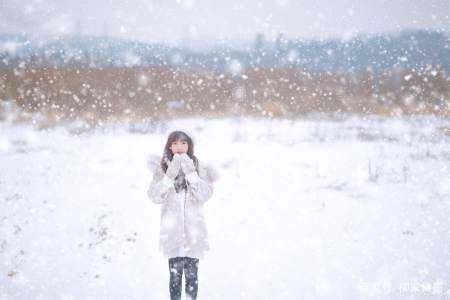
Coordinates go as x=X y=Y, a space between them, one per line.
x=175 y=21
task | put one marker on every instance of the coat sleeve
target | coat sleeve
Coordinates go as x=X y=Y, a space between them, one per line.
x=200 y=186
x=160 y=187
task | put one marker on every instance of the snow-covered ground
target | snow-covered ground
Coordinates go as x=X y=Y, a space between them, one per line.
x=310 y=209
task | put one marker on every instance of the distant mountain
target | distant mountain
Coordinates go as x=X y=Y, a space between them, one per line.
x=81 y=51
x=406 y=49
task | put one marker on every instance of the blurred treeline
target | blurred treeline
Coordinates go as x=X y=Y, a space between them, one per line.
x=140 y=92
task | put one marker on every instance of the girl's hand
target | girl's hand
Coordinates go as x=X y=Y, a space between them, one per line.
x=187 y=164
x=173 y=166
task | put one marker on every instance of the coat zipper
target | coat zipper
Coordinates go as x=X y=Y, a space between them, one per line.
x=184 y=221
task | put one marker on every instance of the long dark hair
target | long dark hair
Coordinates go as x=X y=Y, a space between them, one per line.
x=178 y=136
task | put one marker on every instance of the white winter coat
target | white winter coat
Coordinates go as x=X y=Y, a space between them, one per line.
x=183 y=229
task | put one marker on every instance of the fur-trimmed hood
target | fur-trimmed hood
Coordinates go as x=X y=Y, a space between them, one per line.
x=210 y=173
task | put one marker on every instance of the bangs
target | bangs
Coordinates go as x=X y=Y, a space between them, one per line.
x=179 y=136
x=182 y=139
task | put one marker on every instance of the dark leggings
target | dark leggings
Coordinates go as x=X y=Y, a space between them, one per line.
x=190 y=266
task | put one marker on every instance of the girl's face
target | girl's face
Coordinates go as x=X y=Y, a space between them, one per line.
x=179 y=147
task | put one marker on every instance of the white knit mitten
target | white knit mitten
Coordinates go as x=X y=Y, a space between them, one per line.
x=173 y=166
x=187 y=164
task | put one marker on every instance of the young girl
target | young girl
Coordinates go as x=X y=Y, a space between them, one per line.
x=182 y=185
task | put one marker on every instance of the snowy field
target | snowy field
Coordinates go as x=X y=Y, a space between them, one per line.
x=311 y=209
